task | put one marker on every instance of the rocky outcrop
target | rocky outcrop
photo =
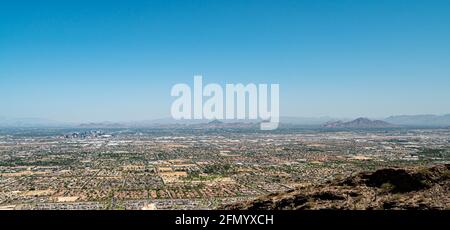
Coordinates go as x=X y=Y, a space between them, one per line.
x=423 y=189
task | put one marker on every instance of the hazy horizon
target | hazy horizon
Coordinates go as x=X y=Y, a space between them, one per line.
x=169 y=119
x=91 y=61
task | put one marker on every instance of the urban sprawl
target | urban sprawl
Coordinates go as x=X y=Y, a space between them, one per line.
x=169 y=168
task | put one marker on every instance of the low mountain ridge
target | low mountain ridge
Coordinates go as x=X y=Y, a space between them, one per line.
x=358 y=123
x=420 y=120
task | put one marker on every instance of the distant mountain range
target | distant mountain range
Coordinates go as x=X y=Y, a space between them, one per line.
x=420 y=120
x=103 y=125
x=29 y=122
x=328 y=122
x=307 y=120
x=358 y=123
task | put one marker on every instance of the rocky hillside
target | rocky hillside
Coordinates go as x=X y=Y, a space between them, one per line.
x=424 y=188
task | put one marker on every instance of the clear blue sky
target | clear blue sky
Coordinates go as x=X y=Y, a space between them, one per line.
x=117 y=60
